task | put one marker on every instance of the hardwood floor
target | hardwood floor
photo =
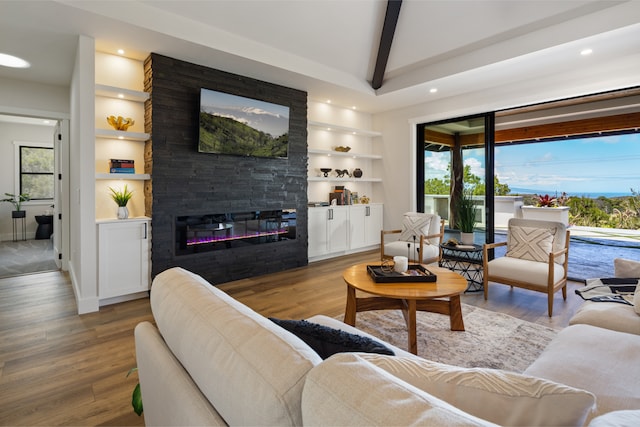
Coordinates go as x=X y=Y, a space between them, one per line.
x=59 y=368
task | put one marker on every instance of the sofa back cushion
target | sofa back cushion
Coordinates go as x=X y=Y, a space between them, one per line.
x=250 y=369
x=502 y=397
x=345 y=390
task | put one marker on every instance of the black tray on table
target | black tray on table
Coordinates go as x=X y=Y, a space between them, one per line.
x=420 y=274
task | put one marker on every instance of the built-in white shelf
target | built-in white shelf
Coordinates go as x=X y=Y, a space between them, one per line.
x=124 y=176
x=121 y=134
x=121 y=93
x=343 y=154
x=342 y=129
x=336 y=179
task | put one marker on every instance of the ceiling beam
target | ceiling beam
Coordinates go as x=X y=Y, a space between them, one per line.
x=388 y=29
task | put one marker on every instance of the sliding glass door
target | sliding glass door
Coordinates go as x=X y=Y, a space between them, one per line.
x=456 y=156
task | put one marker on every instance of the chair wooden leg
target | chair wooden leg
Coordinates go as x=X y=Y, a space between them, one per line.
x=485 y=286
x=564 y=292
x=550 y=299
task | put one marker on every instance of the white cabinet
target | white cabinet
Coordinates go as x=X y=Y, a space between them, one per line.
x=365 y=224
x=338 y=230
x=123 y=258
x=327 y=230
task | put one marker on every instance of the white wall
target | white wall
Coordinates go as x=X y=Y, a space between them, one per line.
x=82 y=227
x=9 y=133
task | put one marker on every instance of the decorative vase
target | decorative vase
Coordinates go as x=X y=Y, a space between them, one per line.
x=123 y=212
x=357 y=172
x=466 y=238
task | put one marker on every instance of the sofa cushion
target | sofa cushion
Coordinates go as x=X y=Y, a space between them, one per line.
x=629 y=418
x=346 y=390
x=250 y=369
x=599 y=360
x=327 y=341
x=486 y=393
x=608 y=315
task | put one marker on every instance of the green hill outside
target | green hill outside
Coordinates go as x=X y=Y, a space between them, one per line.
x=227 y=136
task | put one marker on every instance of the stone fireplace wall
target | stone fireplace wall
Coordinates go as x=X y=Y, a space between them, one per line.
x=186 y=182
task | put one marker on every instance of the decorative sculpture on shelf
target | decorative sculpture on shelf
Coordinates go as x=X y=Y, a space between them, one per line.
x=342 y=172
x=120 y=123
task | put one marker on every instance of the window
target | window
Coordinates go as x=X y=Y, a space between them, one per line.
x=36 y=173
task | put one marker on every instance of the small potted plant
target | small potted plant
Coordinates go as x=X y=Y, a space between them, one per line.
x=121 y=197
x=17 y=203
x=466 y=218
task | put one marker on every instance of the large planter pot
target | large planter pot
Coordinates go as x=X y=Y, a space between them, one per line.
x=466 y=238
x=559 y=214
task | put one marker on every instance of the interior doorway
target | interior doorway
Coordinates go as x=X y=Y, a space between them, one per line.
x=33 y=243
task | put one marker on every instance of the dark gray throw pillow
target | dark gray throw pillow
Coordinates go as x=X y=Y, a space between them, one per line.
x=327 y=341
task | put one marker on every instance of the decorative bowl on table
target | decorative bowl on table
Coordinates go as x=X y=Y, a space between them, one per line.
x=342 y=149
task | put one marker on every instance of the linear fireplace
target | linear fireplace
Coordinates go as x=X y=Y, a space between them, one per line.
x=212 y=232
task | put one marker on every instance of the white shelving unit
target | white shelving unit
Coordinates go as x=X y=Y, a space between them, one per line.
x=124 y=248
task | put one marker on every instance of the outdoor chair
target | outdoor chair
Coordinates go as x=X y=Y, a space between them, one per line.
x=536 y=259
x=419 y=239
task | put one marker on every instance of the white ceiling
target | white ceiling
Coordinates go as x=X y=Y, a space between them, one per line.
x=328 y=47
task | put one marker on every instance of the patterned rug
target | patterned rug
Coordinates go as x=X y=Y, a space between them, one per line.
x=490 y=340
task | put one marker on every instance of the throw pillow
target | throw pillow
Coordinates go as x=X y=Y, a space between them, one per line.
x=414 y=226
x=626 y=268
x=502 y=397
x=327 y=341
x=530 y=243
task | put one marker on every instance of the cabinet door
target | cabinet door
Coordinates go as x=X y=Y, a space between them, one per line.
x=357 y=231
x=338 y=228
x=123 y=258
x=373 y=225
x=317 y=231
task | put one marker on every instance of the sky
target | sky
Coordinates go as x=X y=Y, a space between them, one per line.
x=588 y=167
x=265 y=116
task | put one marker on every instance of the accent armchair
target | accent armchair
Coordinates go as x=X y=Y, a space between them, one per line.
x=536 y=259
x=419 y=239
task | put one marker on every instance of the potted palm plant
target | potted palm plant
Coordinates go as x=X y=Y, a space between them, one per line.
x=121 y=197
x=17 y=203
x=466 y=217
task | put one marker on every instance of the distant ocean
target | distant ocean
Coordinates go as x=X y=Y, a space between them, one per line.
x=592 y=195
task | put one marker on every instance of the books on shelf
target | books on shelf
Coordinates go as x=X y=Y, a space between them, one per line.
x=121 y=166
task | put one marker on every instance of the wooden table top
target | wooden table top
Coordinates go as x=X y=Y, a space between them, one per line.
x=448 y=284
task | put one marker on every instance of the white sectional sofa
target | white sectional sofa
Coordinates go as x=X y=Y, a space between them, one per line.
x=210 y=360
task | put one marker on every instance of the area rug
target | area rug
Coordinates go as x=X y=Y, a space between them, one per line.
x=490 y=340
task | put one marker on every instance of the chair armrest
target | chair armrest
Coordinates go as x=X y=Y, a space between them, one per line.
x=493 y=245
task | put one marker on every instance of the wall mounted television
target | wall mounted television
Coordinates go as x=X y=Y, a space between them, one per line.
x=235 y=125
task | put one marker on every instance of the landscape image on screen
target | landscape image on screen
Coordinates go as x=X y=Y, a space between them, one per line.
x=231 y=124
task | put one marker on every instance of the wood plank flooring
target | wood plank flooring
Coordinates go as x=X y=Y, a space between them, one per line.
x=59 y=368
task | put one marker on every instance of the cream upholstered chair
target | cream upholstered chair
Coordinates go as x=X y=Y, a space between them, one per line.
x=419 y=239
x=536 y=259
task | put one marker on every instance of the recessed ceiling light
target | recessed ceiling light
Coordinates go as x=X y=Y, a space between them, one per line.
x=120 y=95
x=13 y=61
x=120 y=52
x=353 y=107
x=433 y=90
x=328 y=101
x=585 y=52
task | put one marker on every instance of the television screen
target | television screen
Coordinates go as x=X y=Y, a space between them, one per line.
x=240 y=126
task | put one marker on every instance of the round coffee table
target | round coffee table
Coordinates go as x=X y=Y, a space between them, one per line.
x=442 y=296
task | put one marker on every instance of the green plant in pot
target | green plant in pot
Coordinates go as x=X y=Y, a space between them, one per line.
x=17 y=203
x=466 y=217
x=121 y=197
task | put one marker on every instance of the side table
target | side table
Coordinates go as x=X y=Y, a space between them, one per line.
x=19 y=224
x=465 y=259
